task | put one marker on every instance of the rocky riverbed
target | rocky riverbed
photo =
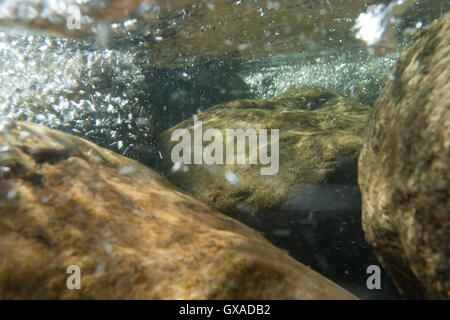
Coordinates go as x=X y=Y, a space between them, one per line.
x=310 y=73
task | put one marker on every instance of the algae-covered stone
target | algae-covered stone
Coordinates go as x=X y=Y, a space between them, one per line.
x=65 y=201
x=404 y=169
x=311 y=205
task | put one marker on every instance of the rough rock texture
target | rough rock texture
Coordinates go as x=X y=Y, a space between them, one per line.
x=404 y=169
x=319 y=144
x=312 y=205
x=134 y=235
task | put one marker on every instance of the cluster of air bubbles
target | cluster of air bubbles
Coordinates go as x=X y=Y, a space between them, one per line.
x=352 y=73
x=115 y=96
x=74 y=86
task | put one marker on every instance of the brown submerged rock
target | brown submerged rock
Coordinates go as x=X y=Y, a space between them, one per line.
x=404 y=169
x=311 y=206
x=134 y=235
x=319 y=143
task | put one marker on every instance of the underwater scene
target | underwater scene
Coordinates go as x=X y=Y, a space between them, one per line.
x=224 y=149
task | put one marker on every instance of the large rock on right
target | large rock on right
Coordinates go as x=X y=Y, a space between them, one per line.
x=404 y=171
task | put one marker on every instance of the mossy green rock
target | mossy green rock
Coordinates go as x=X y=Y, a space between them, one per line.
x=319 y=142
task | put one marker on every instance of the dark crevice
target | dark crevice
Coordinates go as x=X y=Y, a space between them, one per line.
x=47 y=155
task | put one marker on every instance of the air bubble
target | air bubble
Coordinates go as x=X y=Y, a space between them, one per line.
x=126 y=170
x=11 y=194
